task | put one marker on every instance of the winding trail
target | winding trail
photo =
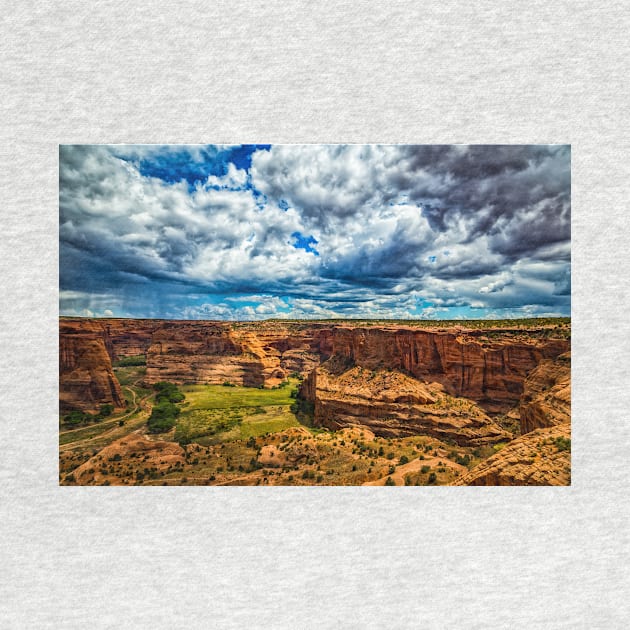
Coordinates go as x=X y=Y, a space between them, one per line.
x=139 y=405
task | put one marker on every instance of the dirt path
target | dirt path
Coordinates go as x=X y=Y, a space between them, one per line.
x=138 y=406
x=414 y=466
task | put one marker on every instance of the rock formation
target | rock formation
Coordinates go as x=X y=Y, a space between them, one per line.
x=539 y=458
x=467 y=363
x=395 y=380
x=147 y=454
x=216 y=352
x=546 y=400
x=86 y=378
x=392 y=404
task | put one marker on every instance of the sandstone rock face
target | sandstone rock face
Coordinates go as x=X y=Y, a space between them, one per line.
x=467 y=363
x=546 y=400
x=122 y=337
x=486 y=366
x=156 y=454
x=86 y=378
x=539 y=458
x=216 y=352
x=127 y=338
x=209 y=352
x=392 y=404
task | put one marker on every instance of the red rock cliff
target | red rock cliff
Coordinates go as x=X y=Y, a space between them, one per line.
x=244 y=354
x=86 y=378
x=467 y=363
x=546 y=400
x=392 y=404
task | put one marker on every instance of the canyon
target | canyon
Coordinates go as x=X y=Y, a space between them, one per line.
x=450 y=381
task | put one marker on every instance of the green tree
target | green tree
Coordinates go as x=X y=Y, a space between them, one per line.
x=106 y=410
x=163 y=417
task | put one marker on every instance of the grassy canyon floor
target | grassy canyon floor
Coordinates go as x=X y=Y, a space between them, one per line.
x=229 y=435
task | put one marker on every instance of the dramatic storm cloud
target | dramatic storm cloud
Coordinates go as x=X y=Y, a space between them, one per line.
x=259 y=231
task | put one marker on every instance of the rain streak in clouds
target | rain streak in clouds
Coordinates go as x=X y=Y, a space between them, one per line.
x=315 y=231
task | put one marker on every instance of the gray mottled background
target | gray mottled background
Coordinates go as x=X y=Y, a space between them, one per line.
x=419 y=72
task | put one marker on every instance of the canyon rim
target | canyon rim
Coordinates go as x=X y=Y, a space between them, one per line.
x=394 y=315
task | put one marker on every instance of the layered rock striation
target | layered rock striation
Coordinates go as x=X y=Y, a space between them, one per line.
x=539 y=458
x=86 y=378
x=216 y=352
x=546 y=399
x=392 y=404
x=490 y=371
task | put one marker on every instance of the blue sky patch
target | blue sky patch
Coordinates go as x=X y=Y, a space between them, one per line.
x=305 y=242
x=195 y=164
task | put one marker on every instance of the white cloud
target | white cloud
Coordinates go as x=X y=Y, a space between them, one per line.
x=394 y=225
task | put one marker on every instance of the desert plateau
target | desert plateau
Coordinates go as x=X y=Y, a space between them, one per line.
x=158 y=402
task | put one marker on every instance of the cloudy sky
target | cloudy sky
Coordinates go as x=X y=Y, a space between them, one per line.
x=316 y=231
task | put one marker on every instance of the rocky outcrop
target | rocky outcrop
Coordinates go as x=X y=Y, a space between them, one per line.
x=86 y=378
x=297 y=446
x=488 y=370
x=487 y=366
x=392 y=404
x=540 y=458
x=216 y=352
x=111 y=463
x=546 y=400
x=122 y=337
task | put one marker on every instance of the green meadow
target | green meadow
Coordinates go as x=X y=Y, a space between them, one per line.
x=219 y=413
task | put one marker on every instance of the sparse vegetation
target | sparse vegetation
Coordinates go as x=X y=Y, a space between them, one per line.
x=235 y=435
x=133 y=361
x=563 y=444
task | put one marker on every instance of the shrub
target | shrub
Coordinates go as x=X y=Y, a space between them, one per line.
x=74 y=418
x=106 y=410
x=390 y=482
x=133 y=361
x=403 y=460
x=563 y=444
x=163 y=417
x=432 y=477
x=425 y=469
x=167 y=392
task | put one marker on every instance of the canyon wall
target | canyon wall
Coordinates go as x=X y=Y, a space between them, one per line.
x=122 y=337
x=86 y=378
x=546 y=399
x=539 y=458
x=420 y=371
x=392 y=404
x=251 y=355
x=490 y=371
